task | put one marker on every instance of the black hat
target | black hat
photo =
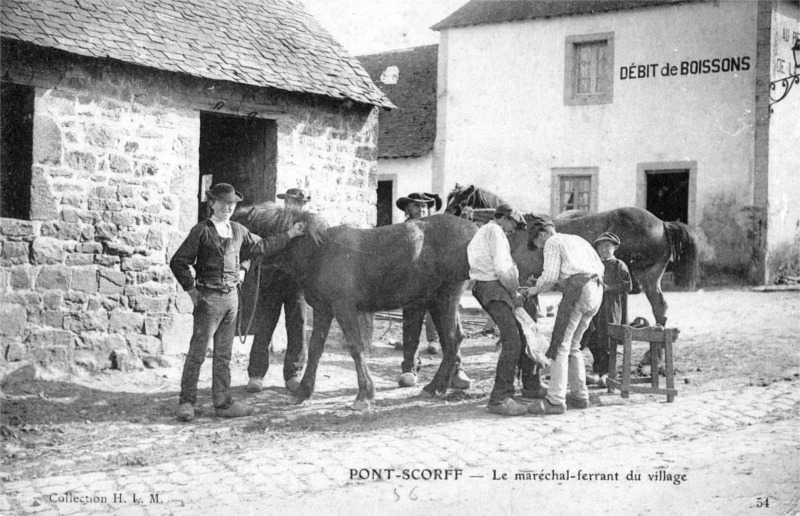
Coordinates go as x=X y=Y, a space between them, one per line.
x=506 y=210
x=538 y=225
x=297 y=194
x=607 y=236
x=223 y=192
x=422 y=198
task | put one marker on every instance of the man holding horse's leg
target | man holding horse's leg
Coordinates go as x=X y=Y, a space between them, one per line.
x=496 y=284
x=568 y=259
x=277 y=290
x=212 y=249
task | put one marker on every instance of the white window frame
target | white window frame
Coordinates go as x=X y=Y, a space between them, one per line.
x=571 y=96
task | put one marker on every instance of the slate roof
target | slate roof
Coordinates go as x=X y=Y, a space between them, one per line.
x=268 y=43
x=479 y=12
x=409 y=130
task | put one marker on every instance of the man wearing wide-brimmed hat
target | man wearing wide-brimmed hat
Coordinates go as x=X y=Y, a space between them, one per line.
x=496 y=283
x=278 y=289
x=617 y=280
x=213 y=249
x=571 y=261
x=416 y=206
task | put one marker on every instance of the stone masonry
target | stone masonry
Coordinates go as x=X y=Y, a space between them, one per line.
x=85 y=282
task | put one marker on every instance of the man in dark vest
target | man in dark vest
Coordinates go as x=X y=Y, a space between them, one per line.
x=279 y=289
x=213 y=250
x=571 y=261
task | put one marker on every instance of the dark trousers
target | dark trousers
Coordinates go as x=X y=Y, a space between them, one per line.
x=279 y=292
x=214 y=316
x=512 y=354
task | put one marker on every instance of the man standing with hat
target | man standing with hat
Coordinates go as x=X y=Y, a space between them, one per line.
x=213 y=249
x=571 y=261
x=279 y=289
x=417 y=206
x=496 y=283
x=617 y=280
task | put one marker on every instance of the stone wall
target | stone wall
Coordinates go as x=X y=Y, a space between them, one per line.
x=86 y=281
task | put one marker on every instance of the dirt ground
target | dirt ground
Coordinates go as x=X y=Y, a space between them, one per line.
x=54 y=424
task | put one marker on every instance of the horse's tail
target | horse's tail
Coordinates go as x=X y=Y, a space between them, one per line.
x=685 y=259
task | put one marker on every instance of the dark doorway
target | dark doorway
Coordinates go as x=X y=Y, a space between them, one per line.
x=241 y=151
x=16 y=150
x=385 y=206
x=668 y=195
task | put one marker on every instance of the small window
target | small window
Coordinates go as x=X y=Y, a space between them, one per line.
x=575 y=193
x=574 y=189
x=16 y=150
x=588 y=72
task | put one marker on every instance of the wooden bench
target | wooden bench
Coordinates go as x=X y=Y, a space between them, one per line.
x=659 y=338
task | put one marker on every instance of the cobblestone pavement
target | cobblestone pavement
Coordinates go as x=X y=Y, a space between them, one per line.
x=729 y=444
x=722 y=451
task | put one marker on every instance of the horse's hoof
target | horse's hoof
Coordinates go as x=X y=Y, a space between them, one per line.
x=298 y=401
x=292 y=384
x=407 y=380
x=361 y=406
x=426 y=395
x=461 y=381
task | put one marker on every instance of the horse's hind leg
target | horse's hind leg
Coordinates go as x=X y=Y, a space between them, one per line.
x=413 y=316
x=445 y=316
x=348 y=320
x=322 y=325
x=652 y=289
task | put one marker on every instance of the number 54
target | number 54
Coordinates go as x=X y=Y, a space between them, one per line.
x=762 y=502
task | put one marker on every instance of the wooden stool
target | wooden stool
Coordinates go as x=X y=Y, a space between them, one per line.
x=658 y=337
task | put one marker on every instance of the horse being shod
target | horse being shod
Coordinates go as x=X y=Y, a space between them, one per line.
x=418 y=265
x=648 y=245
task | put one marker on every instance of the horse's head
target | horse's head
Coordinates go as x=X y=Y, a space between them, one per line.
x=459 y=198
x=268 y=219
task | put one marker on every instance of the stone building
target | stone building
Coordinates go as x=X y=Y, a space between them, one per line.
x=407 y=134
x=661 y=104
x=115 y=116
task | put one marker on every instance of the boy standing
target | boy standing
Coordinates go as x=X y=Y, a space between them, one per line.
x=212 y=249
x=617 y=279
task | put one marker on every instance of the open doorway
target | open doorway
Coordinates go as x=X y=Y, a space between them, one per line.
x=385 y=206
x=241 y=151
x=667 y=195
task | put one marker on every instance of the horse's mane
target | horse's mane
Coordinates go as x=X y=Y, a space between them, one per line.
x=481 y=198
x=268 y=218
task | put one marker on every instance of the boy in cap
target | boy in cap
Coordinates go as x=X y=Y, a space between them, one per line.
x=618 y=284
x=571 y=261
x=496 y=283
x=279 y=289
x=417 y=206
x=213 y=249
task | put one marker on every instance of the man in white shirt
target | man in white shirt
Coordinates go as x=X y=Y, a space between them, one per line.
x=496 y=284
x=571 y=261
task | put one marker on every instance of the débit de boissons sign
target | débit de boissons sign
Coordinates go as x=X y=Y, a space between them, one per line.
x=716 y=65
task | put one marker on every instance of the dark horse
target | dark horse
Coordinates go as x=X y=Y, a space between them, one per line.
x=418 y=265
x=648 y=245
x=463 y=197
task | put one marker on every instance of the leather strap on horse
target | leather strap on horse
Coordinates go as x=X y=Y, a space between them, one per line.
x=243 y=336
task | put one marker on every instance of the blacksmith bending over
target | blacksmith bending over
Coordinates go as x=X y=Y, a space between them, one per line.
x=496 y=284
x=417 y=206
x=279 y=289
x=570 y=260
x=212 y=249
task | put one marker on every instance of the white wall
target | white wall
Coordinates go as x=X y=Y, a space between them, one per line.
x=411 y=174
x=508 y=125
x=784 y=153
